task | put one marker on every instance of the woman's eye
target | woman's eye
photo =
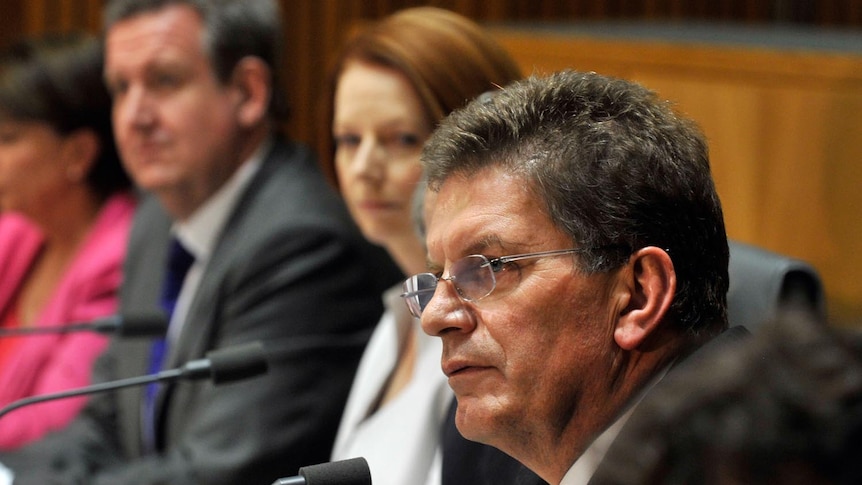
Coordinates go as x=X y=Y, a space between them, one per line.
x=346 y=141
x=403 y=144
x=408 y=140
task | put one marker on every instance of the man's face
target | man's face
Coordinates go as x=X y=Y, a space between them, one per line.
x=175 y=123
x=525 y=359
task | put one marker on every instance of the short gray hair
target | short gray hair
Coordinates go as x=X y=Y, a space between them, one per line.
x=615 y=167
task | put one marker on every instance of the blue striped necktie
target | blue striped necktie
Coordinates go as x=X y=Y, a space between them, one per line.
x=179 y=262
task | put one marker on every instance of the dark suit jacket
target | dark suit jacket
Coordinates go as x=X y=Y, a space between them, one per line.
x=290 y=270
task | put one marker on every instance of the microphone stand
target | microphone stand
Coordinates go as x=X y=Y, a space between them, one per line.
x=165 y=375
x=75 y=327
x=135 y=324
x=223 y=365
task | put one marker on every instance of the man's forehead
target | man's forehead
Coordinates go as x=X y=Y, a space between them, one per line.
x=175 y=29
x=488 y=209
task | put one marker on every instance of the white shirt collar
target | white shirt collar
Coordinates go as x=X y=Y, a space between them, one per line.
x=585 y=466
x=200 y=232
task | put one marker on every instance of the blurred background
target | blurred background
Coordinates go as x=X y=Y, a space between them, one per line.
x=776 y=86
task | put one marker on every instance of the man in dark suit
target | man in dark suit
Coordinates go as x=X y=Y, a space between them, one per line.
x=273 y=258
x=577 y=252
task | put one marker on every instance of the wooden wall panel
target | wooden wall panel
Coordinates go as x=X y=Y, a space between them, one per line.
x=11 y=21
x=785 y=133
x=315 y=28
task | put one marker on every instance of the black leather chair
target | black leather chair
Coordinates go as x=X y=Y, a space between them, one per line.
x=763 y=282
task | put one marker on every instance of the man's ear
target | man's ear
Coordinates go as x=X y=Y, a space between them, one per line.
x=651 y=281
x=252 y=79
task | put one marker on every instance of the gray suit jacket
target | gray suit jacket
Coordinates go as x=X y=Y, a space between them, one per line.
x=290 y=270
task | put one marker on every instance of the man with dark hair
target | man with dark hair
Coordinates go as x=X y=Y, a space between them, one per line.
x=577 y=251
x=261 y=249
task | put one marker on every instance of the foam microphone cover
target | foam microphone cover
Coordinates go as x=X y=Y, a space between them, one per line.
x=148 y=324
x=346 y=472
x=237 y=362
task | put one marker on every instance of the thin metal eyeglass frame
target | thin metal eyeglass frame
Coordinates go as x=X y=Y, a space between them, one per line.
x=494 y=264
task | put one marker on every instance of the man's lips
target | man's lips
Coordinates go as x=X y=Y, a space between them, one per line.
x=459 y=367
x=378 y=205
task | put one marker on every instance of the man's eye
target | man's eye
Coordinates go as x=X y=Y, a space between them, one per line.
x=166 y=81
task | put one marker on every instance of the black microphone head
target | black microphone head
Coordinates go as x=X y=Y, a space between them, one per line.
x=345 y=472
x=237 y=362
x=143 y=324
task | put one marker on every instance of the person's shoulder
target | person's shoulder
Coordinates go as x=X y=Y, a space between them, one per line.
x=291 y=159
x=150 y=225
x=106 y=244
x=291 y=188
x=149 y=210
x=291 y=151
x=14 y=226
x=20 y=240
x=115 y=216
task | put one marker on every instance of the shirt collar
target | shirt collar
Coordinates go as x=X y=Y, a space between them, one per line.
x=585 y=466
x=200 y=232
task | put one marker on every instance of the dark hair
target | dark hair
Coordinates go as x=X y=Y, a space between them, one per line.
x=617 y=169
x=447 y=58
x=57 y=80
x=785 y=403
x=234 y=29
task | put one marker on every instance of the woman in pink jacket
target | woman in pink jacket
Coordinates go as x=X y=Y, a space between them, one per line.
x=65 y=213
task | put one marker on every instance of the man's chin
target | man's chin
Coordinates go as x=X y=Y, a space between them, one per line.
x=155 y=183
x=474 y=421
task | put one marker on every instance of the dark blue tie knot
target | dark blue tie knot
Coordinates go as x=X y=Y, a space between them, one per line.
x=179 y=262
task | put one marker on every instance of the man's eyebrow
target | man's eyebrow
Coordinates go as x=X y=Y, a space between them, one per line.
x=479 y=246
x=482 y=244
x=433 y=267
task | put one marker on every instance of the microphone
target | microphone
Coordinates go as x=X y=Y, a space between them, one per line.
x=223 y=365
x=147 y=324
x=345 y=472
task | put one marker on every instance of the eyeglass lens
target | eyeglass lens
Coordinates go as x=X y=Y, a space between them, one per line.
x=472 y=277
x=418 y=291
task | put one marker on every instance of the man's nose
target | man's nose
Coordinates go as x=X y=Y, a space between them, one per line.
x=135 y=109
x=446 y=312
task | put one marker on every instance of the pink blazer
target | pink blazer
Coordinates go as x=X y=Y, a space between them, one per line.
x=87 y=290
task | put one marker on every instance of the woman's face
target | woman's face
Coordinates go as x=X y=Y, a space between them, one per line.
x=379 y=127
x=32 y=170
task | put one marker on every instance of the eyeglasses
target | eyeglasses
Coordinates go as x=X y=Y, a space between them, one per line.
x=472 y=276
